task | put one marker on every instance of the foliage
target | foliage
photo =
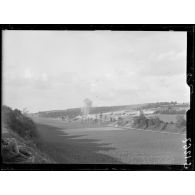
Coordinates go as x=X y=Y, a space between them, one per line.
x=73 y=112
x=69 y=113
x=19 y=123
x=142 y=121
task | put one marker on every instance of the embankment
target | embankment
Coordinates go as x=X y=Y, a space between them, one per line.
x=19 y=139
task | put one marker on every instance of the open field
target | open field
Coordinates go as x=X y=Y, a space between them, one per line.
x=167 y=117
x=80 y=143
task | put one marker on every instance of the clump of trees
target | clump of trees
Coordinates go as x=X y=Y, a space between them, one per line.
x=140 y=121
x=122 y=122
x=70 y=113
x=143 y=122
x=155 y=122
x=19 y=123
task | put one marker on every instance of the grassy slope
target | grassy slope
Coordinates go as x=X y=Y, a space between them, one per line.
x=36 y=155
x=19 y=139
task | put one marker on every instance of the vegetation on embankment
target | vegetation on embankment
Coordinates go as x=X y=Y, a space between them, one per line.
x=19 y=139
x=15 y=120
x=155 y=123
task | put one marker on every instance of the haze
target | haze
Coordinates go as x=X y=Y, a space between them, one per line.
x=49 y=70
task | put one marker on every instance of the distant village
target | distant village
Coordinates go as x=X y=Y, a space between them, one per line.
x=166 y=111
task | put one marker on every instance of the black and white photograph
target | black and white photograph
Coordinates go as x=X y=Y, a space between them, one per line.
x=94 y=97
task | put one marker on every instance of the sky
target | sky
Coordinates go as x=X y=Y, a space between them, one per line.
x=52 y=70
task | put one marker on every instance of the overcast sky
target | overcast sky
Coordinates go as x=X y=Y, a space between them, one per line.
x=48 y=70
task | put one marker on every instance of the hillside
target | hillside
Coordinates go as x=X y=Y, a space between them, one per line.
x=73 y=112
x=19 y=139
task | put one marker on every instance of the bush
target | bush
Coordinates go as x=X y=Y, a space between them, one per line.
x=143 y=122
x=140 y=121
x=19 y=123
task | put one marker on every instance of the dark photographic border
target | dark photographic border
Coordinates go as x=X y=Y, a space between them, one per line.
x=189 y=28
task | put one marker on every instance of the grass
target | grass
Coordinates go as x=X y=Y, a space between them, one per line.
x=19 y=138
x=77 y=143
x=168 y=117
x=28 y=146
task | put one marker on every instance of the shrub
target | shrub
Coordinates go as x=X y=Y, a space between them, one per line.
x=19 y=123
x=143 y=122
x=140 y=121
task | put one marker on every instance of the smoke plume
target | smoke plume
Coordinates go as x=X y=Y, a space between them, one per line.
x=87 y=106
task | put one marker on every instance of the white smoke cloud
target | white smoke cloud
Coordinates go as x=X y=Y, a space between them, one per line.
x=87 y=106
